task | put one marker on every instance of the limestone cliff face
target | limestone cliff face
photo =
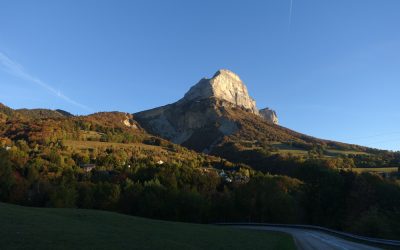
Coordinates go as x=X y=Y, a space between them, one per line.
x=224 y=85
x=199 y=120
x=269 y=115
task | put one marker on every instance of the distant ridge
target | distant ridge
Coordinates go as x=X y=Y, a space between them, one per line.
x=43 y=113
x=33 y=113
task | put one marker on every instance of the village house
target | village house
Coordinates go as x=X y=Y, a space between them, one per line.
x=225 y=176
x=88 y=167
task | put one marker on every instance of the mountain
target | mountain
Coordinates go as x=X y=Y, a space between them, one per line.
x=43 y=113
x=200 y=119
x=7 y=112
x=217 y=116
x=234 y=164
x=93 y=136
x=224 y=85
x=269 y=115
x=214 y=110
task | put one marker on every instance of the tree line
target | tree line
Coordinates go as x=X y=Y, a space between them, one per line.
x=313 y=192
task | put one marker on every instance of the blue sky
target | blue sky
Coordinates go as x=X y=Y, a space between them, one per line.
x=330 y=69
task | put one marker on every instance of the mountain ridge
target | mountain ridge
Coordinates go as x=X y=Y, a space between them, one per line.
x=207 y=122
x=224 y=85
x=210 y=119
x=202 y=111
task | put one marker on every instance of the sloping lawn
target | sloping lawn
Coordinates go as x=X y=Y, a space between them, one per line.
x=47 y=228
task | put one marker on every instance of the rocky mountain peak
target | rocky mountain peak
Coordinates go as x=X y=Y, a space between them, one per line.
x=205 y=115
x=227 y=73
x=269 y=115
x=224 y=85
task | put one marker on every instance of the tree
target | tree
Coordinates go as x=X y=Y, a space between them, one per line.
x=7 y=178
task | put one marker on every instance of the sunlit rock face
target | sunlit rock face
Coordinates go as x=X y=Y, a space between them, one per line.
x=200 y=119
x=224 y=85
x=269 y=115
x=129 y=122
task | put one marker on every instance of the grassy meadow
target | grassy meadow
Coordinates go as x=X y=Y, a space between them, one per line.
x=49 y=228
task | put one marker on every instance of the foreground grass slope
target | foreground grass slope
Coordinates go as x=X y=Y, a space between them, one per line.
x=43 y=228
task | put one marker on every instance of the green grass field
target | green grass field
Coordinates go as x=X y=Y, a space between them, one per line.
x=286 y=149
x=47 y=228
x=334 y=152
x=376 y=170
x=98 y=144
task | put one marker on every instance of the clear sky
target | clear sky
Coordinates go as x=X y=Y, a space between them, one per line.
x=330 y=69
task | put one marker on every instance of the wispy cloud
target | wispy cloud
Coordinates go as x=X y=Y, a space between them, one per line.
x=12 y=67
x=290 y=13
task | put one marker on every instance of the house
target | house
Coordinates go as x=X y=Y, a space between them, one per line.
x=241 y=178
x=88 y=167
x=223 y=174
x=160 y=162
x=227 y=179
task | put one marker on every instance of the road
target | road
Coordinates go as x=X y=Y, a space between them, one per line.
x=307 y=239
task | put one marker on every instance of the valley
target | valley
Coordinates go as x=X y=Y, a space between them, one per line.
x=199 y=125
x=210 y=157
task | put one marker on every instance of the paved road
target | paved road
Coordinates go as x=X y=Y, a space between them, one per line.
x=312 y=239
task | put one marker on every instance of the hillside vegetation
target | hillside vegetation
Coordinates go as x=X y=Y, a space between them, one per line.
x=39 y=228
x=108 y=161
x=269 y=147
x=107 y=139
x=42 y=113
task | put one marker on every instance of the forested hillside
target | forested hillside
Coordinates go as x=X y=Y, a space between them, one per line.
x=107 y=161
x=272 y=148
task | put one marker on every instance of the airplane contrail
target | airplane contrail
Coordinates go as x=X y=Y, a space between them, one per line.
x=12 y=67
x=290 y=12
